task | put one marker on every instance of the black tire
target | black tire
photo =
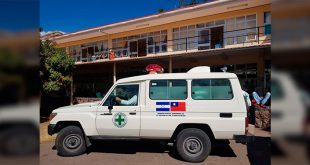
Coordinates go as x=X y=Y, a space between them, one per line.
x=20 y=141
x=70 y=141
x=193 y=145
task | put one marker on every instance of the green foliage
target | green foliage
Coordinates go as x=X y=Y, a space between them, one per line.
x=56 y=68
x=9 y=61
x=183 y=3
x=11 y=67
x=161 y=10
x=193 y=2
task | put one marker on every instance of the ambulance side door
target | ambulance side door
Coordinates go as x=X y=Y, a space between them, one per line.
x=121 y=120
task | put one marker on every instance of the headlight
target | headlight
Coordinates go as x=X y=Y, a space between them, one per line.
x=52 y=115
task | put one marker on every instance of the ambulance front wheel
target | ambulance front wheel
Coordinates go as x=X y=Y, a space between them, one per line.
x=193 y=145
x=70 y=141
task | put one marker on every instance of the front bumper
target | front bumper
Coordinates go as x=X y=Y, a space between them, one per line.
x=51 y=128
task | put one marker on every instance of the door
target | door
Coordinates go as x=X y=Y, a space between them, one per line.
x=141 y=47
x=124 y=119
x=217 y=37
x=84 y=54
x=133 y=48
x=204 y=39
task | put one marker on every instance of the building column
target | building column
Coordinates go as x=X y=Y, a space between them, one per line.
x=110 y=45
x=170 y=64
x=260 y=22
x=261 y=75
x=169 y=38
x=71 y=92
x=114 y=72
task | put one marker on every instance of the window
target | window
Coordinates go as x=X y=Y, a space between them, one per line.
x=267 y=23
x=180 y=35
x=168 y=89
x=76 y=53
x=157 y=42
x=85 y=51
x=191 y=37
x=120 y=46
x=276 y=90
x=240 y=25
x=240 y=30
x=128 y=93
x=204 y=39
x=211 y=89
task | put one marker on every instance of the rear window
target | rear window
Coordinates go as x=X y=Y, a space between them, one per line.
x=211 y=89
x=168 y=89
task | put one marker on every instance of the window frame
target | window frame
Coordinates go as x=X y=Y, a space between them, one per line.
x=116 y=85
x=211 y=86
x=169 y=80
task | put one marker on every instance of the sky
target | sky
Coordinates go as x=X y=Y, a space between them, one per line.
x=18 y=15
x=74 y=15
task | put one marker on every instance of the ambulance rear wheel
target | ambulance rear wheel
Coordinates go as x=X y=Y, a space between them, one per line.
x=193 y=145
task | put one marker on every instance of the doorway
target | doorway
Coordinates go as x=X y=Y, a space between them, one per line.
x=217 y=37
x=133 y=48
x=141 y=47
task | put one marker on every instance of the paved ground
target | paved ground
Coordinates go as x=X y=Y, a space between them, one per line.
x=135 y=153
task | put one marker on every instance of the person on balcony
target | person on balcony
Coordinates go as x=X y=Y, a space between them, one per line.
x=111 y=54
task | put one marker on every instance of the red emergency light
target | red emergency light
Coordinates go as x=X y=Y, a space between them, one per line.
x=154 y=68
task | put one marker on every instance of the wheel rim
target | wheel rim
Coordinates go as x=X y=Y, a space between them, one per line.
x=72 y=141
x=192 y=146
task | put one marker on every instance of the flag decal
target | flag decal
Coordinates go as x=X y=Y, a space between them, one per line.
x=162 y=106
x=170 y=106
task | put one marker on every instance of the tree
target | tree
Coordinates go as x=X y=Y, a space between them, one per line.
x=56 y=69
x=161 y=10
x=193 y=2
x=183 y=3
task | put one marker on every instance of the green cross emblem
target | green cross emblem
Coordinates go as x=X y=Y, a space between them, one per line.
x=119 y=120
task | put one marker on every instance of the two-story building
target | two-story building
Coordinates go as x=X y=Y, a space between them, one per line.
x=232 y=34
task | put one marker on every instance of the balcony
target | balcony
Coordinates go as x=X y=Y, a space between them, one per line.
x=204 y=40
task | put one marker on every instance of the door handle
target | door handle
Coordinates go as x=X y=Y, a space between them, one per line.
x=132 y=113
x=226 y=115
x=106 y=114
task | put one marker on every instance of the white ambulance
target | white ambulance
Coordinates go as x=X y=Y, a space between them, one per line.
x=189 y=110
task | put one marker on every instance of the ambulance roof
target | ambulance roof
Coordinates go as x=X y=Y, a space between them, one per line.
x=177 y=76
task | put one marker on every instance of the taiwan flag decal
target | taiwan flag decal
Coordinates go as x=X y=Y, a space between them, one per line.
x=177 y=106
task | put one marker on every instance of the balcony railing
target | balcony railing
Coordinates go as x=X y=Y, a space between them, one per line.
x=211 y=40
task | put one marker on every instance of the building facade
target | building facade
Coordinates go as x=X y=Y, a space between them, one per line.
x=232 y=34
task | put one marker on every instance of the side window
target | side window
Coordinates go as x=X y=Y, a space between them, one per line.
x=211 y=89
x=267 y=23
x=128 y=93
x=276 y=90
x=168 y=89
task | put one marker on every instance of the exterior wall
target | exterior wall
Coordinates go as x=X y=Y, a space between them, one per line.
x=257 y=10
x=110 y=70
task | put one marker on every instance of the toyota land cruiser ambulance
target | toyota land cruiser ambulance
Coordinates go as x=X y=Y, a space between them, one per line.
x=189 y=110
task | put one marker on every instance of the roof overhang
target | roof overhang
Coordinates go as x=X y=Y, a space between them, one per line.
x=205 y=9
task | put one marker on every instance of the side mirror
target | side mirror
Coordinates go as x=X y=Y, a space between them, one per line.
x=110 y=107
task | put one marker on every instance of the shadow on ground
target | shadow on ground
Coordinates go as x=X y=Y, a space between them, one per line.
x=259 y=150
